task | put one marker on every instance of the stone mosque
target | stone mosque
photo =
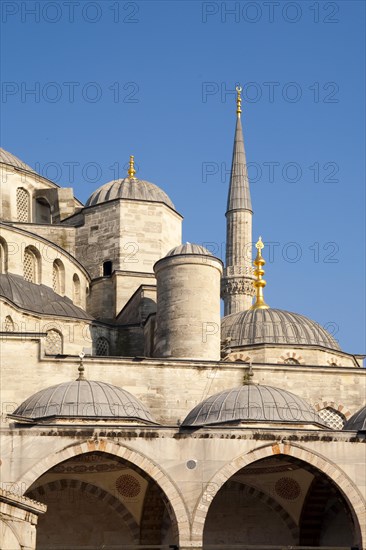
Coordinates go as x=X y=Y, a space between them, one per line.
x=133 y=415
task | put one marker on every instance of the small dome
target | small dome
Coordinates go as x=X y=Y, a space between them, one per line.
x=253 y=403
x=129 y=188
x=12 y=160
x=357 y=422
x=189 y=248
x=85 y=399
x=274 y=326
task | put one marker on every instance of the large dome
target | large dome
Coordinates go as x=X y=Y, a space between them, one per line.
x=84 y=399
x=12 y=160
x=129 y=188
x=274 y=326
x=357 y=422
x=252 y=403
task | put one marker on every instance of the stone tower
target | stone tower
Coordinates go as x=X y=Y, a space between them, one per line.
x=237 y=284
x=188 y=304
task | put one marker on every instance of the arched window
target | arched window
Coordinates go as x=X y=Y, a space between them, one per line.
x=58 y=277
x=332 y=418
x=3 y=256
x=43 y=211
x=76 y=290
x=102 y=346
x=32 y=265
x=9 y=324
x=107 y=268
x=291 y=361
x=53 y=345
x=23 y=205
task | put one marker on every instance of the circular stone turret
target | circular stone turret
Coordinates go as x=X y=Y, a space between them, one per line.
x=129 y=188
x=188 y=304
x=274 y=326
x=83 y=399
x=253 y=403
x=357 y=422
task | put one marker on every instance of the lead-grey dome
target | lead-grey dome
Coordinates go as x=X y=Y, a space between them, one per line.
x=188 y=248
x=357 y=422
x=85 y=399
x=252 y=403
x=129 y=188
x=12 y=160
x=274 y=326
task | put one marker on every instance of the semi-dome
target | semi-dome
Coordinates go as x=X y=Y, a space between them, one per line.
x=188 y=248
x=252 y=403
x=357 y=422
x=84 y=399
x=12 y=160
x=129 y=188
x=274 y=326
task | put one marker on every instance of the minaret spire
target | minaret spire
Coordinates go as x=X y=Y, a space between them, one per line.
x=237 y=287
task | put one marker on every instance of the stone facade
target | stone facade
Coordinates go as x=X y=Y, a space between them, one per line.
x=107 y=293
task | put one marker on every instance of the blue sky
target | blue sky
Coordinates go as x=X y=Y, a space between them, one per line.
x=86 y=84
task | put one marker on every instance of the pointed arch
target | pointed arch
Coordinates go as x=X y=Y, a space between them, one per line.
x=9 y=324
x=54 y=342
x=32 y=265
x=345 y=485
x=58 y=277
x=177 y=508
x=76 y=290
x=3 y=256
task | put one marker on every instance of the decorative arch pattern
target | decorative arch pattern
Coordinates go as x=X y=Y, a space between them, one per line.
x=54 y=342
x=334 y=414
x=291 y=358
x=238 y=356
x=88 y=488
x=341 y=480
x=147 y=468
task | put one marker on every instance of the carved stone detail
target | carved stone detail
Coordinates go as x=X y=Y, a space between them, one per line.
x=237 y=285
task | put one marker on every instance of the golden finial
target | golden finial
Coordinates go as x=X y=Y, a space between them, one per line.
x=259 y=283
x=239 y=90
x=131 y=171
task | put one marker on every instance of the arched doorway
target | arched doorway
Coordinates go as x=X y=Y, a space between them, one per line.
x=98 y=500
x=280 y=500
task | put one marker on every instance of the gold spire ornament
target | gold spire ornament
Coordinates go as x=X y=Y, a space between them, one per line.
x=259 y=283
x=239 y=90
x=131 y=171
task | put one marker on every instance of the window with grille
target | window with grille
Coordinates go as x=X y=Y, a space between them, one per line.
x=29 y=266
x=291 y=361
x=332 y=418
x=76 y=293
x=53 y=345
x=102 y=346
x=58 y=277
x=8 y=325
x=22 y=205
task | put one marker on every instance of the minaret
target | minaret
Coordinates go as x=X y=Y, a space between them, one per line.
x=237 y=288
